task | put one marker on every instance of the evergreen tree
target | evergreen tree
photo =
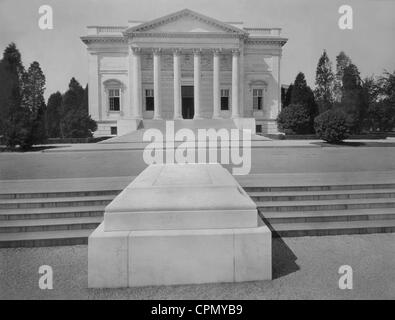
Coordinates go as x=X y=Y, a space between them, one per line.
x=353 y=101
x=76 y=121
x=324 y=81
x=303 y=96
x=33 y=100
x=342 y=61
x=54 y=115
x=14 y=120
x=287 y=98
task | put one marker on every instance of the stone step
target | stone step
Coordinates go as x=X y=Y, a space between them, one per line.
x=345 y=204
x=45 y=238
x=328 y=187
x=322 y=195
x=55 y=202
x=328 y=215
x=332 y=228
x=51 y=213
x=63 y=194
x=37 y=225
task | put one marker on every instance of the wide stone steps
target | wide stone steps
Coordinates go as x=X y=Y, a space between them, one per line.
x=334 y=187
x=12 y=226
x=55 y=202
x=278 y=217
x=322 y=195
x=326 y=204
x=44 y=238
x=332 y=228
x=66 y=215
x=33 y=195
x=51 y=213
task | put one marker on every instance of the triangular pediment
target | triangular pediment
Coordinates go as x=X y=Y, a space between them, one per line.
x=185 y=21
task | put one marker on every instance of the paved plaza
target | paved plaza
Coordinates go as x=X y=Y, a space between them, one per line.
x=303 y=268
x=274 y=157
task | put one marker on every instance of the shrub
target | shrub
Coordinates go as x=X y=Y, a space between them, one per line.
x=332 y=126
x=381 y=117
x=294 y=119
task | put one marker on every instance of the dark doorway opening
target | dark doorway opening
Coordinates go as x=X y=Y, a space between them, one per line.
x=188 y=110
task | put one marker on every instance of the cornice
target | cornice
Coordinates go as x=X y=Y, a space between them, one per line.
x=184 y=13
x=186 y=35
x=99 y=39
x=267 y=41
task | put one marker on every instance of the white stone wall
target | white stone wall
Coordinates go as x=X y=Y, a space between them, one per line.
x=257 y=67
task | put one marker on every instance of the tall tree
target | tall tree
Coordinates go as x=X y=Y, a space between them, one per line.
x=342 y=62
x=54 y=115
x=353 y=101
x=381 y=112
x=303 y=96
x=324 y=81
x=76 y=122
x=287 y=98
x=13 y=118
x=33 y=100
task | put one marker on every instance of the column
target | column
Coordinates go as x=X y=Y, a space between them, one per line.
x=135 y=80
x=235 y=83
x=95 y=107
x=216 y=87
x=177 y=84
x=157 y=88
x=196 y=82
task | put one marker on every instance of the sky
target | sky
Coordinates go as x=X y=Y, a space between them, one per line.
x=310 y=26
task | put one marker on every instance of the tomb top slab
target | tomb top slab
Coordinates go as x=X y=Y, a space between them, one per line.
x=186 y=196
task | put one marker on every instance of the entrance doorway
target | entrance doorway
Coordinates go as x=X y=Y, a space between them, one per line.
x=188 y=110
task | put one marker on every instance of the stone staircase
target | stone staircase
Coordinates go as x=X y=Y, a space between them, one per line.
x=51 y=218
x=43 y=216
x=327 y=209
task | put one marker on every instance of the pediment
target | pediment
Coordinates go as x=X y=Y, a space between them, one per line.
x=185 y=21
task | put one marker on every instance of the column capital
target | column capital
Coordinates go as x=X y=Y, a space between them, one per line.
x=216 y=51
x=176 y=51
x=197 y=51
x=156 y=51
x=235 y=52
x=135 y=50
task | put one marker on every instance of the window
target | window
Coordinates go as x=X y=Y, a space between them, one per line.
x=114 y=130
x=257 y=99
x=224 y=99
x=149 y=100
x=258 y=128
x=114 y=99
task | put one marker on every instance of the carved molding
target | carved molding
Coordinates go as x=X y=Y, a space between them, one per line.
x=257 y=83
x=279 y=42
x=99 y=39
x=235 y=52
x=136 y=50
x=197 y=51
x=144 y=27
x=217 y=51
x=177 y=51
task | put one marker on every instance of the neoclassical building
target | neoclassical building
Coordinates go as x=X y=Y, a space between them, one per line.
x=183 y=66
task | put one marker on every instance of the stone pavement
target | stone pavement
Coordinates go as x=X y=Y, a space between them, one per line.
x=116 y=163
x=303 y=268
x=259 y=180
